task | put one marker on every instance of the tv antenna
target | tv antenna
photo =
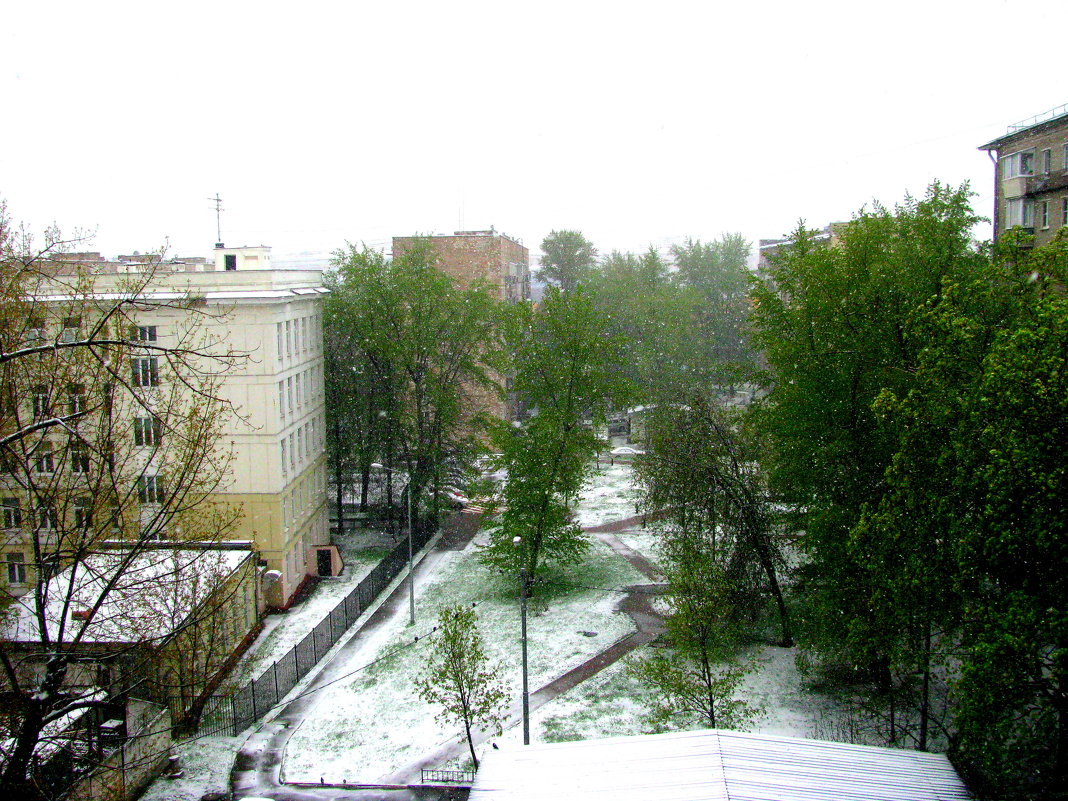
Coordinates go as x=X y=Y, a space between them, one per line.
x=218 y=218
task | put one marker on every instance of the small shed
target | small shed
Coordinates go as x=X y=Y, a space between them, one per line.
x=714 y=765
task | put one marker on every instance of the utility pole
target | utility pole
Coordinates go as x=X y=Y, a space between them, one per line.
x=218 y=218
x=523 y=614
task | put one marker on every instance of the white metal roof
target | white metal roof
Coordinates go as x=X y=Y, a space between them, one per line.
x=714 y=766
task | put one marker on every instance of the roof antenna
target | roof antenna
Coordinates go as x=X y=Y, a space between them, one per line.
x=218 y=219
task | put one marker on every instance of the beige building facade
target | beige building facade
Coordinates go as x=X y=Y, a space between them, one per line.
x=272 y=319
x=1031 y=175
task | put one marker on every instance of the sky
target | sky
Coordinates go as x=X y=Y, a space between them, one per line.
x=639 y=124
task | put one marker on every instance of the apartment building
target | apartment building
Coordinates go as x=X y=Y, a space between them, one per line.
x=277 y=474
x=469 y=256
x=498 y=261
x=1031 y=175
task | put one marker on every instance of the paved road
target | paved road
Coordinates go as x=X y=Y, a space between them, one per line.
x=257 y=768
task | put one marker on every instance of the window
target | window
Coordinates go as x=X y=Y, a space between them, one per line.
x=230 y=261
x=282 y=399
x=83 y=512
x=289 y=393
x=1064 y=209
x=278 y=339
x=150 y=489
x=1047 y=161
x=12 y=513
x=76 y=398
x=304 y=325
x=1019 y=212
x=284 y=456
x=1064 y=159
x=289 y=340
x=79 y=459
x=71 y=325
x=147 y=431
x=16 y=567
x=145 y=371
x=1022 y=163
x=300 y=377
x=46 y=517
x=292 y=453
x=35 y=330
x=1045 y=212
x=43 y=461
x=41 y=406
x=143 y=333
x=107 y=397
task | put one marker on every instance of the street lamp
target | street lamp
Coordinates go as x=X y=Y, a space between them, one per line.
x=518 y=542
x=411 y=581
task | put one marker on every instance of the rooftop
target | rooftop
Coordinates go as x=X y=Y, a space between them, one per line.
x=714 y=766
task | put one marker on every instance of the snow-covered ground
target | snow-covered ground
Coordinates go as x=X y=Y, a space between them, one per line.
x=368 y=726
x=371 y=722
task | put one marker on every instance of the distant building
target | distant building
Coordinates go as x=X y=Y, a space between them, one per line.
x=469 y=256
x=497 y=260
x=769 y=248
x=1031 y=175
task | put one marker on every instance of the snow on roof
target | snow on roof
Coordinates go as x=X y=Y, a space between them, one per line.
x=714 y=766
x=153 y=595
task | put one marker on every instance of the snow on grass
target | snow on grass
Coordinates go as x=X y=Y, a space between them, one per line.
x=206 y=764
x=369 y=725
x=608 y=496
x=360 y=552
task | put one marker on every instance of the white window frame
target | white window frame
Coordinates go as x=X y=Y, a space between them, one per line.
x=12 y=513
x=1044 y=215
x=145 y=371
x=1017 y=164
x=1019 y=211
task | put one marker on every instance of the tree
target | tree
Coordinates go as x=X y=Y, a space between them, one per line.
x=568 y=259
x=424 y=347
x=110 y=440
x=838 y=325
x=718 y=272
x=701 y=469
x=975 y=515
x=564 y=360
x=697 y=679
x=460 y=678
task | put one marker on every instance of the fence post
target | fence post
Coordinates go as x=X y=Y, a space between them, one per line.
x=277 y=697
x=233 y=716
x=252 y=684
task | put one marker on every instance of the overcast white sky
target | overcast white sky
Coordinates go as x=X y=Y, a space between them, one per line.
x=635 y=123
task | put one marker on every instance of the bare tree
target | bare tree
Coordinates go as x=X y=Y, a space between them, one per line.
x=111 y=439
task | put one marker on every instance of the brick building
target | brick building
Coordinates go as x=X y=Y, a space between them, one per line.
x=498 y=260
x=468 y=256
x=1031 y=175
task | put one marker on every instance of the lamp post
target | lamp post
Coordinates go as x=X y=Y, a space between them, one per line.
x=411 y=581
x=518 y=542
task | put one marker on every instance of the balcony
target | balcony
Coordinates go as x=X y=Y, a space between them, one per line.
x=1049 y=182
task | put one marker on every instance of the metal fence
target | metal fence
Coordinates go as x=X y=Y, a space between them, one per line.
x=232 y=712
x=429 y=776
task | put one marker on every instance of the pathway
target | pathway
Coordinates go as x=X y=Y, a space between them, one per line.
x=257 y=768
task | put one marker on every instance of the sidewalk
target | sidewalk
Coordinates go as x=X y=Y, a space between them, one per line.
x=256 y=770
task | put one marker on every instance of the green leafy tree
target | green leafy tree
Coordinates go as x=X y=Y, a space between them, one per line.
x=460 y=678
x=718 y=272
x=838 y=326
x=701 y=470
x=697 y=679
x=424 y=346
x=567 y=260
x=975 y=513
x=563 y=359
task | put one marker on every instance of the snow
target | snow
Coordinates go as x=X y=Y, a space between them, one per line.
x=154 y=593
x=370 y=722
